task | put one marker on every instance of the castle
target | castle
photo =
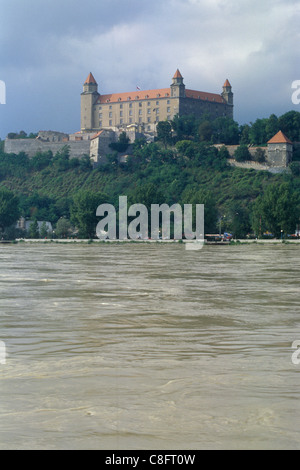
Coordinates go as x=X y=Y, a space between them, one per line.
x=105 y=117
x=144 y=109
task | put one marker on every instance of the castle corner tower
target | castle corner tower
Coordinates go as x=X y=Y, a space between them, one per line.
x=178 y=87
x=89 y=97
x=227 y=92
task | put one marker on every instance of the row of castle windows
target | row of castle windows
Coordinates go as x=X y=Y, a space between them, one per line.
x=140 y=105
x=131 y=121
x=156 y=110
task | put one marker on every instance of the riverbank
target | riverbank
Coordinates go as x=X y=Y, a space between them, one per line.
x=88 y=241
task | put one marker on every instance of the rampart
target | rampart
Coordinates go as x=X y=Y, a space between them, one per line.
x=78 y=148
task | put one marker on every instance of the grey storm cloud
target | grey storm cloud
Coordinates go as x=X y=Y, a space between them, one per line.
x=48 y=47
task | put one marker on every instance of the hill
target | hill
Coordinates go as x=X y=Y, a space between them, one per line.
x=239 y=200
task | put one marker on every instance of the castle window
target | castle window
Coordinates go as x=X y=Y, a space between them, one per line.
x=168 y=109
x=100 y=115
x=130 y=105
x=140 y=120
x=167 y=94
x=119 y=99
x=121 y=113
x=121 y=121
x=129 y=98
x=168 y=101
x=157 y=103
x=110 y=107
x=149 y=111
x=130 y=112
x=130 y=120
x=148 y=119
x=158 y=95
x=110 y=114
x=140 y=112
x=100 y=123
x=121 y=106
x=148 y=104
x=140 y=105
x=110 y=122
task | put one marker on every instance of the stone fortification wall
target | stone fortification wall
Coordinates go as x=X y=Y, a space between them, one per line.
x=32 y=146
x=53 y=136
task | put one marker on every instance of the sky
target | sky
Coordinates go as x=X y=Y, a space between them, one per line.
x=48 y=48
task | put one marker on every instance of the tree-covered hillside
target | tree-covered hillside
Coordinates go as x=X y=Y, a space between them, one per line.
x=182 y=167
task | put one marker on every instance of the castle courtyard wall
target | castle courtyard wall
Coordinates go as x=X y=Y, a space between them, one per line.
x=31 y=146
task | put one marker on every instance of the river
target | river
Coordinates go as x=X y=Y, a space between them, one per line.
x=149 y=346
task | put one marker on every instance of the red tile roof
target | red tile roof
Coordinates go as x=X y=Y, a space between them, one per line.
x=135 y=95
x=227 y=83
x=177 y=74
x=96 y=135
x=90 y=79
x=279 y=138
x=155 y=94
x=202 y=95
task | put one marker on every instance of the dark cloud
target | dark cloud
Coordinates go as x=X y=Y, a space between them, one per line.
x=48 y=48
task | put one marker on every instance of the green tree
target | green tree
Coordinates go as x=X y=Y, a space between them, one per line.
x=244 y=134
x=9 y=208
x=276 y=210
x=238 y=219
x=205 y=131
x=185 y=127
x=147 y=194
x=33 y=231
x=44 y=231
x=225 y=131
x=242 y=153
x=223 y=152
x=83 y=211
x=187 y=148
x=257 y=132
x=194 y=195
x=164 y=132
x=272 y=127
x=61 y=158
x=41 y=160
x=63 y=228
x=289 y=123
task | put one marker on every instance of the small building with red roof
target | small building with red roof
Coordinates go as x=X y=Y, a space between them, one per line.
x=280 y=150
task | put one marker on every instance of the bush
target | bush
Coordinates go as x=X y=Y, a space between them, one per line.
x=242 y=153
x=223 y=152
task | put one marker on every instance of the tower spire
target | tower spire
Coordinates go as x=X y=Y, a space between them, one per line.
x=227 y=92
x=178 y=87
